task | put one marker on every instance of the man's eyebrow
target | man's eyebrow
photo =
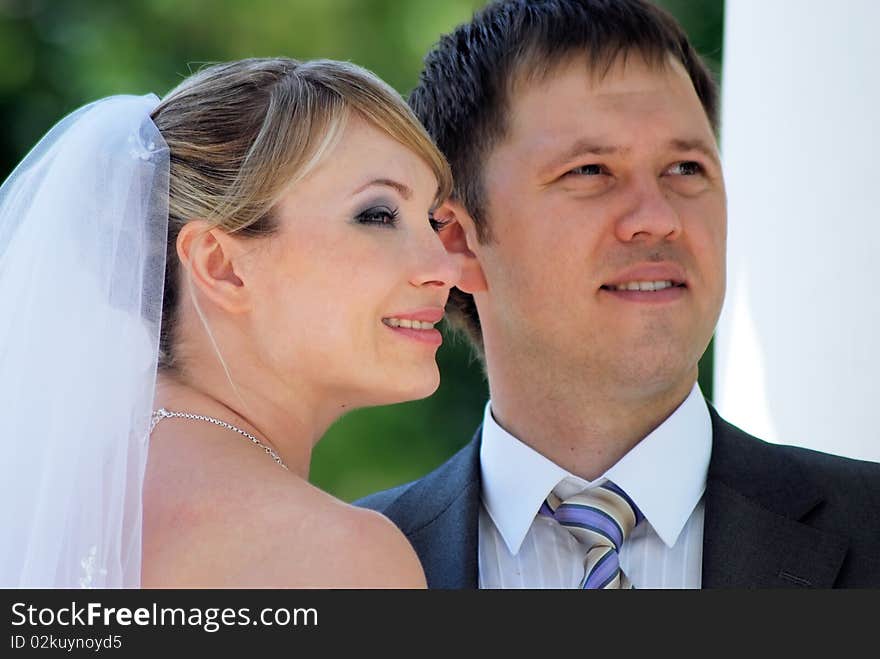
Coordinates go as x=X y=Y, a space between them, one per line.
x=583 y=147
x=696 y=144
x=592 y=147
x=404 y=191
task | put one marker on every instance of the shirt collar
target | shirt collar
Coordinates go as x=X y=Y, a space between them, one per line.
x=664 y=474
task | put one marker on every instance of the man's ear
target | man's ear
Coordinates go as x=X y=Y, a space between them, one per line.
x=208 y=254
x=460 y=237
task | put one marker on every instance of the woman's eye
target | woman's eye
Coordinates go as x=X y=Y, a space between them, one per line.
x=378 y=215
x=588 y=170
x=686 y=168
x=437 y=225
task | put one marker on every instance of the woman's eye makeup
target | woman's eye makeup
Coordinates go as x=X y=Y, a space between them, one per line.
x=378 y=215
x=387 y=216
x=437 y=225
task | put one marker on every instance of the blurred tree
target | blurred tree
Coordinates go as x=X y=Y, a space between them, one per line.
x=56 y=55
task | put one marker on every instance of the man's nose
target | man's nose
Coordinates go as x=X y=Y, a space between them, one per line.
x=648 y=214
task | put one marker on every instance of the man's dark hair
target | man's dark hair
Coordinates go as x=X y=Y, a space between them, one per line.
x=463 y=93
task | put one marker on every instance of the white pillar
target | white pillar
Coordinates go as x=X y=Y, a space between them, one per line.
x=797 y=356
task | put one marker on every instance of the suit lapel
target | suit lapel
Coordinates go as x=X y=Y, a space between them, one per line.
x=439 y=515
x=754 y=536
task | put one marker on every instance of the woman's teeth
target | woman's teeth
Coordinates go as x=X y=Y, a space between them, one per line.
x=408 y=324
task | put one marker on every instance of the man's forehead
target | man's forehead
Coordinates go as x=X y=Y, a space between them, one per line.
x=572 y=98
x=534 y=72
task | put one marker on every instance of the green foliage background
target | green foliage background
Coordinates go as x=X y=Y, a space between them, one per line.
x=56 y=55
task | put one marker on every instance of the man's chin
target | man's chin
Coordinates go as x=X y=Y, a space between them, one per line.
x=653 y=372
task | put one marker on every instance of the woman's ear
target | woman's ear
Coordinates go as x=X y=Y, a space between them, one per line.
x=460 y=237
x=209 y=255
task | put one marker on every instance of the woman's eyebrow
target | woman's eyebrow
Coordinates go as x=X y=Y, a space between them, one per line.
x=404 y=190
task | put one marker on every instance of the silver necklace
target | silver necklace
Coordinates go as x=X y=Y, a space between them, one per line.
x=162 y=413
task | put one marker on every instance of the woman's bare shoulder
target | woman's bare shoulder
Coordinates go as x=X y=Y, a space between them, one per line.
x=255 y=525
x=359 y=548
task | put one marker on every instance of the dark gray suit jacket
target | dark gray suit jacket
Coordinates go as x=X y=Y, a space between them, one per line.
x=775 y=516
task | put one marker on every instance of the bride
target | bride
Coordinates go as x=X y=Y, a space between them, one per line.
x=193 y=290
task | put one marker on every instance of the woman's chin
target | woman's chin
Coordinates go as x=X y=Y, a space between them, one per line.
x=414 y=385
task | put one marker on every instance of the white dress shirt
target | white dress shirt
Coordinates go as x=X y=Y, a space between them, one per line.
x=664 y=474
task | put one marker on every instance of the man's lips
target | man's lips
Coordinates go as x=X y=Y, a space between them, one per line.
x=656 y=296
x=648 y=277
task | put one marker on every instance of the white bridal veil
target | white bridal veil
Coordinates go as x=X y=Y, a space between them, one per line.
x=83 y=227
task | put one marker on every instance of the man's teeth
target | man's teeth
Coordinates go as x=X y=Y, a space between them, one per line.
x=408 y=324
x=642 y=286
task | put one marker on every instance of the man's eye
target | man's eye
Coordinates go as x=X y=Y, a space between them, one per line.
x=587 y=170
x=686 y=168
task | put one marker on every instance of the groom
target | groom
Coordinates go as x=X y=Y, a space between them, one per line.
x=590 y=223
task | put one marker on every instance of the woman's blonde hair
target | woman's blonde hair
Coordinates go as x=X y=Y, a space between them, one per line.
x=242 y=132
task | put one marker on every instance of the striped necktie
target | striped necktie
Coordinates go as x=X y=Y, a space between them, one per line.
x=600 y=519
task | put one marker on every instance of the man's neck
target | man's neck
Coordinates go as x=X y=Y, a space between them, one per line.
x=584 y=429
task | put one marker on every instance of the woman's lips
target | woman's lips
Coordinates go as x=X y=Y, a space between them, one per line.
x=417 y=325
